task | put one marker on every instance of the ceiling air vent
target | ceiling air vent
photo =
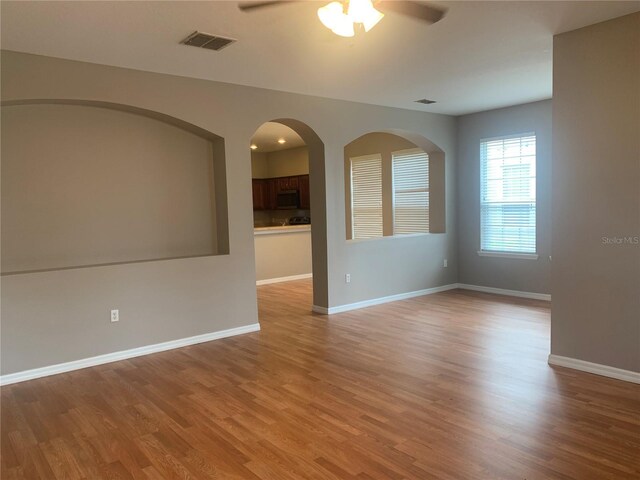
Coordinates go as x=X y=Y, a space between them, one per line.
x=425 y=101
x=205 y=40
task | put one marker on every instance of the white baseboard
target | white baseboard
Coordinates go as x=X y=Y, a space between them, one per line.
x=502 y=291
x=595 y=368
x=381 y=300
x=123 y=355
x=284 y=279
x=428 y=291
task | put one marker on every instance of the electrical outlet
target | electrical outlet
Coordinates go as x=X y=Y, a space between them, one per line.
x=115 y=315
x=445 y=263
x=347 y=278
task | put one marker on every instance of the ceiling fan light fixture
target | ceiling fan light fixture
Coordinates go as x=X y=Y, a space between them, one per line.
x=363 y=11
x=333 y=17
x=373 y=20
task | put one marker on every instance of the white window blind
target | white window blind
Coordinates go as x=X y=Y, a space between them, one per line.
x=366 y=196
x=508 y=194
x=410 y=192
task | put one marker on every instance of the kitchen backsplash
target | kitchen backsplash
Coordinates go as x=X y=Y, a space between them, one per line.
x=271 y=218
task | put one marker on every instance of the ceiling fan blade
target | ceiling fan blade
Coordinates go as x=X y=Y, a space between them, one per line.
x=249 y=6
x=418 y=10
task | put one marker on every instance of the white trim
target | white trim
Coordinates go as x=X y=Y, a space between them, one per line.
x=267 y=281
x=502 y=291
x=428 y=291
x=520 y=256
x=380 y=300
x=319 y=309
x=123 y=355
x=595 y=368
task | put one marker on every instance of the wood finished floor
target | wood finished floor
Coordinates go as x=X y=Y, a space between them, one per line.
x=448 y=386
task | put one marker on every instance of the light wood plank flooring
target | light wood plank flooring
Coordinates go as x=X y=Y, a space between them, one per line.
x=448 y=386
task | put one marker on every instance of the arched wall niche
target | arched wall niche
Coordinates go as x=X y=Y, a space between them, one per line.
x=144 y=186
x=318 y=189
x=177 y=122
x=384 y=142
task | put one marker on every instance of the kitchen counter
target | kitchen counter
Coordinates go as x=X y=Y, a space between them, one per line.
x=281 y=229
x=282 y=252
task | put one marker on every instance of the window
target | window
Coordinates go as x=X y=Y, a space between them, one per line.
x=508 y=195
x=410 y=192
x=366 y=196
x=393 y=188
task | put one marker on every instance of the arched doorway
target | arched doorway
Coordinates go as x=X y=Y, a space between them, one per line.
x=289 y=194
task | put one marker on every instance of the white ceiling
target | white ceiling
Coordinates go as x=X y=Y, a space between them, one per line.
x=267 y=136
x=482 y=55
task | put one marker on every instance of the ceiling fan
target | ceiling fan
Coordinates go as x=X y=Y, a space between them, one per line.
x=344 y=17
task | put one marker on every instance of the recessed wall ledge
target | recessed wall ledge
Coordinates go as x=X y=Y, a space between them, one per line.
x=110 y=264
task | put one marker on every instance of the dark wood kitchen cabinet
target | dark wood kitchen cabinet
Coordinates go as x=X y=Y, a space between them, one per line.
x=287 y=183
x=305 y=197
x=271 y=194
x=259 y=188
x=265 y=191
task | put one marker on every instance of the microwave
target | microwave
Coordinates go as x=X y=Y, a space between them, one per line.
x=288 y=199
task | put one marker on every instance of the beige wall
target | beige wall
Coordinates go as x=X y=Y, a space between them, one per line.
x=84 y=185
x=287 y=163
x=595 y=314
x=282 y=254
x=281 y=163
x=259 y=167
x=509 y=273
x=166 y=300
